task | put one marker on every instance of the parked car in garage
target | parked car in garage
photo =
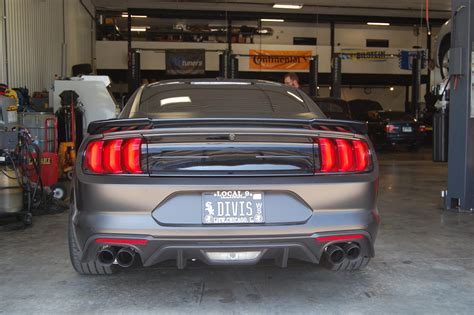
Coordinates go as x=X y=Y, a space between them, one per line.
x=388 y=128
x=334 y=108
x=224 y=172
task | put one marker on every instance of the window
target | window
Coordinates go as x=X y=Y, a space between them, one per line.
x=305 y=41
x=376 y=43
x=232 y=99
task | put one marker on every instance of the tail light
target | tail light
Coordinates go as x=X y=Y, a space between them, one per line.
x=422 y=128
x=391 y=129
x=118 y=156
x=342 y=156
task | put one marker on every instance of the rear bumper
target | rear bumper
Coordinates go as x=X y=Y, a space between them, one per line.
x=328 y=205
x=279 y=249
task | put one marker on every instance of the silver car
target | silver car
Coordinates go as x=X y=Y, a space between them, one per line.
x=224 y=172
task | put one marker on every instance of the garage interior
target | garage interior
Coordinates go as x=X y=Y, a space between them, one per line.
x=393 y=53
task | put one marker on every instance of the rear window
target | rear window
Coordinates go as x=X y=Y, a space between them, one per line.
x=361 y=108
x=220 y=98
x=395 y=116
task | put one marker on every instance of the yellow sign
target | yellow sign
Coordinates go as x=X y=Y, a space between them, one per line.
x=279 y=59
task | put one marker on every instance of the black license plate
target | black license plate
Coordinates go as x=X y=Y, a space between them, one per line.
x=233 y=207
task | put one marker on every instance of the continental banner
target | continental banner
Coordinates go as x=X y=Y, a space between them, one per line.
x=279 y=59
x=363 y=55
x=185 y=61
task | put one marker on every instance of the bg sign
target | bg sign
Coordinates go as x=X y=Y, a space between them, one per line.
x=186 y=61
x=279 y=59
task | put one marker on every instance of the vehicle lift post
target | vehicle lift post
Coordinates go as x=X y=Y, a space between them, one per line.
x=336 y=79
x=313 y=76
x=460 y=193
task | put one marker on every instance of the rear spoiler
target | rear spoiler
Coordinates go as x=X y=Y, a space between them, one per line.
x=112 y=125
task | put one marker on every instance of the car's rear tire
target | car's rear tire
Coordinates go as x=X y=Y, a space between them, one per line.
x=348 y=265
x=90 y=268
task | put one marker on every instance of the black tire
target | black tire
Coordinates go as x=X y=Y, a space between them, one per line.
x=90 y=268
x=348 y=265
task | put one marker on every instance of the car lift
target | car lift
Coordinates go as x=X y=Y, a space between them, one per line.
x=460 y=193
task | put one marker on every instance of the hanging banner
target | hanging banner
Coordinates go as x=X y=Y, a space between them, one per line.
x=363 y=55
x=279 y=59
x=185 y=61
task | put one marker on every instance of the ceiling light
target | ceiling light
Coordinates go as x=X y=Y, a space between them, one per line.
x=139 y=29
x=378 y=23
x=287 y=6
x=272 y=20
x=125 y=14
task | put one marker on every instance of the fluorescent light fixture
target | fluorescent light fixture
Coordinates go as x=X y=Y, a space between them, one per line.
x=287 y=6
x=125 y=14
x=173 y=100
x=139 y=28
x=378 y=23
x=272 y=20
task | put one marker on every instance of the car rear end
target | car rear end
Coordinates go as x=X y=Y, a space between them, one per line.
x=401 y=128
x=224 y=191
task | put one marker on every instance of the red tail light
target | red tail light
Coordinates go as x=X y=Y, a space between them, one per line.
x=112 y=160
x=341 y=155
x=422 y=128
x=391 y=129
x=328 y=155
x=131 y=155
x=94 y=157
x=345 y=156
x=113 y=156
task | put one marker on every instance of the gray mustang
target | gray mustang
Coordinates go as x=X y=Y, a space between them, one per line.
x=224 y=172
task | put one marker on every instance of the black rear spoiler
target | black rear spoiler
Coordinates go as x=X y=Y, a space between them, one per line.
x=111 y=125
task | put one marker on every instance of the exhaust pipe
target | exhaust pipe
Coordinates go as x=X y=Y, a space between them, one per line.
x=352 y=251
x=125 y=257
x=335 y=254
x=106 y=256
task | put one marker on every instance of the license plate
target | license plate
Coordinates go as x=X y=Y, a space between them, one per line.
x=233 y=207
x=407 y=129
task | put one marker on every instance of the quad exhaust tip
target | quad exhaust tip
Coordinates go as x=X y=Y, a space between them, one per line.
x=335 y=254
x=351 y=250
x=106 y=256
x=125 y=257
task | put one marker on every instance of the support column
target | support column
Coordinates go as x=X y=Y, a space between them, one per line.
x=336 y=77
x=313 y=76
x=460 y=193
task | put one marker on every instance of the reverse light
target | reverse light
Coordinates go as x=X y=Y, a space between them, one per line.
x=115 y=156
x=233 y=256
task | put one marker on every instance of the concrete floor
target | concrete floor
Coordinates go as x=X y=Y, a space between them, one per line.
x=424 y=264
